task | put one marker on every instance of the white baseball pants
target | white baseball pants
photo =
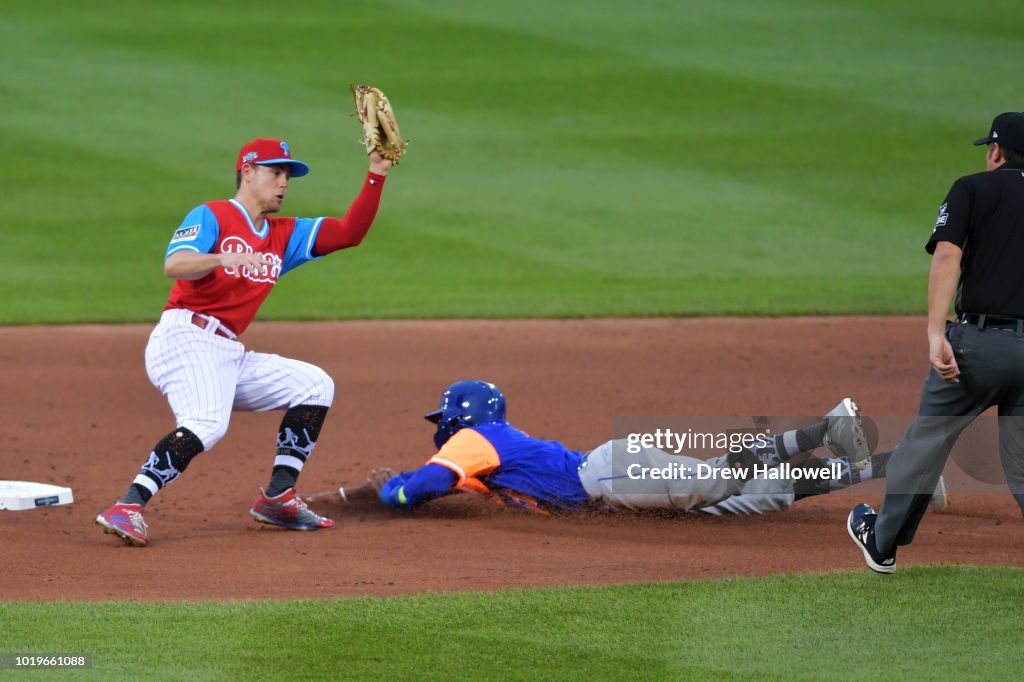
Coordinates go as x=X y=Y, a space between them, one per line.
x=205 y=376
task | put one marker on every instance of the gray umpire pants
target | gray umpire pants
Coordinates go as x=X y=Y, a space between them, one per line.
x=991 y=363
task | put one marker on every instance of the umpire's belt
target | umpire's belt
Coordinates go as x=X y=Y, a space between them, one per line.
x=994 y=321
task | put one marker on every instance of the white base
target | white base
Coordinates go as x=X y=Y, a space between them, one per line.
x=21 y=495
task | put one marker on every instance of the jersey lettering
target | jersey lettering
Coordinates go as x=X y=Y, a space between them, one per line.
x=232 y=297
x=268 y=273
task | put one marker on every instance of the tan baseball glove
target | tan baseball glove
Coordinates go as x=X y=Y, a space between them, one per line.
x=380 y=128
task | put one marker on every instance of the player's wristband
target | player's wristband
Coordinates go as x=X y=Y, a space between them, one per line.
x=392 y=494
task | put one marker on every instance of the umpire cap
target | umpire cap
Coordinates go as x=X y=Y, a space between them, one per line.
x=1007 y=131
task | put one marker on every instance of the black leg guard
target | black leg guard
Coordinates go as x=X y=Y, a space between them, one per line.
x=296 y=439
x=169 y=458
x=300 y=427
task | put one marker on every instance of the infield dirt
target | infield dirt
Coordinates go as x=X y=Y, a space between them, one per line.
x=78 y=410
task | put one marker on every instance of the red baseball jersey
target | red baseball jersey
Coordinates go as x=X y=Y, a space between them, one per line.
x=286 y=243
x=225 y=227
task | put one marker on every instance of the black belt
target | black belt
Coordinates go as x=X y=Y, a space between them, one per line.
x=994 y=321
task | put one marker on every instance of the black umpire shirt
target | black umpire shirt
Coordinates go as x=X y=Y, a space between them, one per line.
x=984 y=215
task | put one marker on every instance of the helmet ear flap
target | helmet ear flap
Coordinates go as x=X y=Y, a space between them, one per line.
x=446 y=428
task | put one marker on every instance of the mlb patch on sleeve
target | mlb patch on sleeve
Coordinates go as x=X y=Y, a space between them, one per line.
x=185 y=234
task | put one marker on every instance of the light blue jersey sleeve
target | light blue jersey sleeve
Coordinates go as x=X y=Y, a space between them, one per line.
x=300 y=246
x=198 y=232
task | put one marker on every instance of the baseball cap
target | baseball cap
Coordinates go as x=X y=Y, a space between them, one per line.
x=266 y=152
x=1007 y=131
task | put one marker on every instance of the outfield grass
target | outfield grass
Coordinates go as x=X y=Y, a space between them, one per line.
x=576 y=158
x=928 y=623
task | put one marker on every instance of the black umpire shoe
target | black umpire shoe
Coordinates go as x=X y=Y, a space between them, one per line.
x=861 y=527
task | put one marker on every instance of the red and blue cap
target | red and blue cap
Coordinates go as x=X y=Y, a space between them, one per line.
x=268 y=152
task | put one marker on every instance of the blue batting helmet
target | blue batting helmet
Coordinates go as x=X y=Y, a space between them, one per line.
x=466 y=403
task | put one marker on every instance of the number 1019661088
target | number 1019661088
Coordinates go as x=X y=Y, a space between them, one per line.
x=45 y=661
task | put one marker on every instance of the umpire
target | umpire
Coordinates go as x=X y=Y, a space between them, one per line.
x=976 y=361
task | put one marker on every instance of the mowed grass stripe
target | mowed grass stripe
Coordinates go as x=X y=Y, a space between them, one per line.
x=567 y=160
x=928 y=623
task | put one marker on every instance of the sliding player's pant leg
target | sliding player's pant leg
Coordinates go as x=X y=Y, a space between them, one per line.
x=760 y=495
x=653 y=479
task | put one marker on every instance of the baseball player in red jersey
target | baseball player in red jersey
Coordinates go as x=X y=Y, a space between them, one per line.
x=225 y=258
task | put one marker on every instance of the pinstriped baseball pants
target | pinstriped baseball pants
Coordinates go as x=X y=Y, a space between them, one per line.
x=204 y=377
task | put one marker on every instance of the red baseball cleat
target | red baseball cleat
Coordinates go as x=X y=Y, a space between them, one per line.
x=288 y=511
x=126 y=522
